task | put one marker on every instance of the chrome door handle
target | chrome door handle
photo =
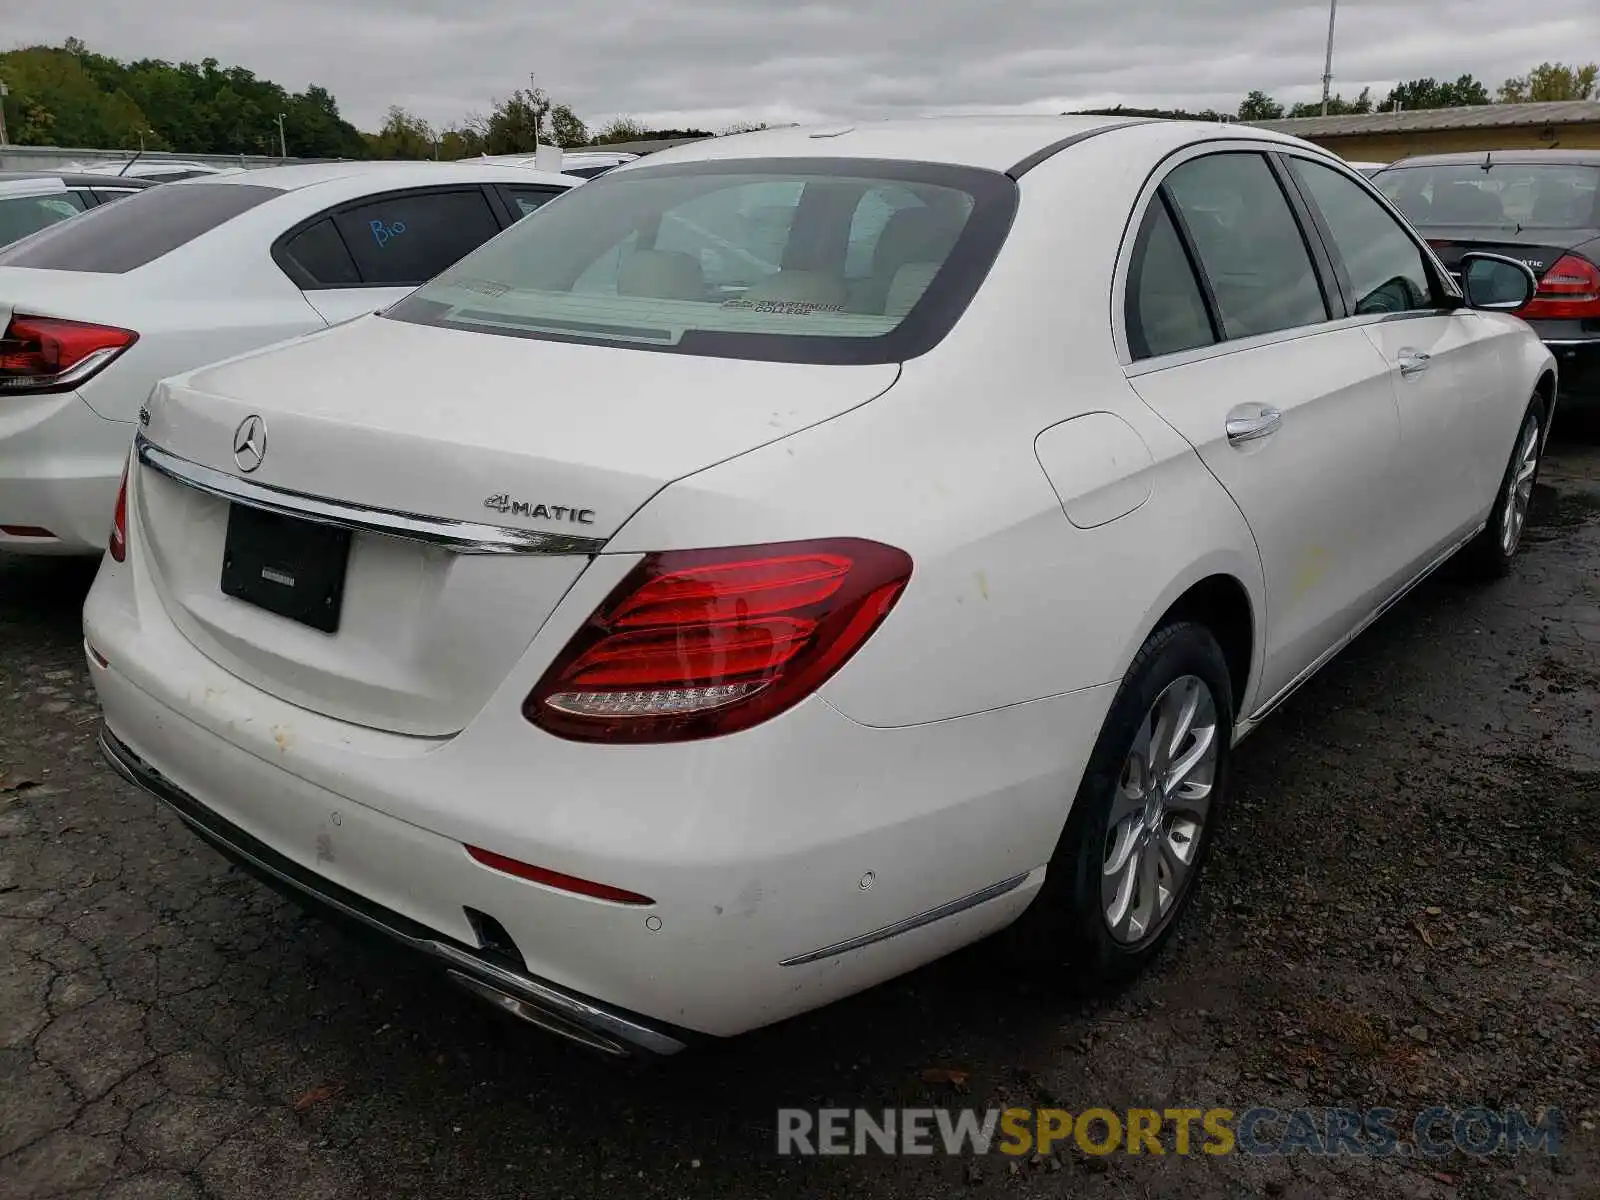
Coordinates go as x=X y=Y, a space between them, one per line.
x=1414 y=362
x=1252 y=422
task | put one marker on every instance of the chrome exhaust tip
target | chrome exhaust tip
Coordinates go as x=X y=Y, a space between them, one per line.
x=533 y=1013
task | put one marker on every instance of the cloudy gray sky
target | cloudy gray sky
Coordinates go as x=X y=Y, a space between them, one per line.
x=713 y=62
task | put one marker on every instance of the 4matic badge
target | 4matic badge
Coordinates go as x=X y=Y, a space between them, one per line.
x=502 y=503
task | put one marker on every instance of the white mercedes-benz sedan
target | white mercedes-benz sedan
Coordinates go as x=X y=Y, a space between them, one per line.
x=95 y=310
x=797 y=555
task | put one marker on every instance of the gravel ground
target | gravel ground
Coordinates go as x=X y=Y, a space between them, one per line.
x=1401 y=912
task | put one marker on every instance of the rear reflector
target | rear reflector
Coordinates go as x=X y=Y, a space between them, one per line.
x=46 y=354
x=29 y=531
x=1569 y=290
x=117 y=540
x=555 y=879
x=697 y=643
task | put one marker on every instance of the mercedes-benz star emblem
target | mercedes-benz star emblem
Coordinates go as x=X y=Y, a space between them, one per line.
x=250 y=443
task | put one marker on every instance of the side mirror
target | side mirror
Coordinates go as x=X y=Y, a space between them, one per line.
x=1493 y=281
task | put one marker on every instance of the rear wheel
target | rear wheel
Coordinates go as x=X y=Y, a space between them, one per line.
x=1140 y=826
x=1489 y=555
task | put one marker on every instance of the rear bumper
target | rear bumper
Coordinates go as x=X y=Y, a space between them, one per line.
x=537 y=1001
x=59 y=467
x=789 y=865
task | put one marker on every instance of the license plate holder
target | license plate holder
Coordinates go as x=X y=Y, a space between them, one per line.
x=285 y=565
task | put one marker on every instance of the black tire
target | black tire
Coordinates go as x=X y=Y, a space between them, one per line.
x=1488 y=555
x=1065 y=932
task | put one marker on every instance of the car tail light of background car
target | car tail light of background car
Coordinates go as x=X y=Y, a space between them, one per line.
x=1570 y=290
x=46 y=354
x=697 y=643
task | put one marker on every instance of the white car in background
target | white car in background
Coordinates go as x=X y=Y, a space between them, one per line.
x=585 y=164
x=666 y=651
x=95 y=310
x=34 y=200
x=159 y=170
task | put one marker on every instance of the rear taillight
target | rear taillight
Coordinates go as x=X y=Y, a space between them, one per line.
x=45 y=354
x=695 y=643
x=556 y=879
x=117 y=542
x=1569 y=290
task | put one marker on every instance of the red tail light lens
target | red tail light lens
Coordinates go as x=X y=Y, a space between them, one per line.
x=44 y=354
x=555 y=879
x=1569 y=290
x=696 y=643
x=117 y=542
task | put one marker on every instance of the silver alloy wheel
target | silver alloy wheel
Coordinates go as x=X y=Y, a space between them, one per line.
x=1159 y=810
x=1519 y=486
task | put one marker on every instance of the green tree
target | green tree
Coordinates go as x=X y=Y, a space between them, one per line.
x=566 y=128
x=464 y=139
x=403 y=135
x=1166 y=114
x=1258 y=106
x=1433 y=93
x=80 y=111
x=1338 y=106
x=93 y=100
x=518 y=124
x=1552 y=81
x=620 y=129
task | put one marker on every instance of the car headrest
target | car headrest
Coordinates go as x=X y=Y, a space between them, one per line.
x=662 y=274
x=914 y=235
x=1464 y=203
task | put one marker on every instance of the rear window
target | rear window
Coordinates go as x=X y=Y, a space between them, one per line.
x=790 y=260
x=1533 y=195
x=116 y=238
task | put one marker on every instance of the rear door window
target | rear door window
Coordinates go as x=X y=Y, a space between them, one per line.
x=1249 y=244
x=524 y=200
x=317 y=257
x=407 y=238
x=23 y=215
x=1166 y=311
x=116 y=238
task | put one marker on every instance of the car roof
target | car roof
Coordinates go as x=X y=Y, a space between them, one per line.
x=1475 y=158
x=78 y=178
x=996 y=143
x=379 y=174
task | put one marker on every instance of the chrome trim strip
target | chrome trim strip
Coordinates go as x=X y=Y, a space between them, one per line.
x=1594 y=341
x=991 y=892
x=602 y=1028
x=1323 y=659
x=460 y=537
x=1134 y=368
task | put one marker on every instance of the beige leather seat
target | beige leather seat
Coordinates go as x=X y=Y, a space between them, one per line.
x=661 y=274
x=821 y=288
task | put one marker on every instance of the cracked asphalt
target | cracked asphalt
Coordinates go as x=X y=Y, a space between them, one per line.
x=1401 y=911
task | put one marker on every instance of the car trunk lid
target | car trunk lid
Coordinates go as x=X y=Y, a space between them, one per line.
x=1540 y=249
x=520 y=445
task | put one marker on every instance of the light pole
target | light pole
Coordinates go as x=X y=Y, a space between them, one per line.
x=283 y=145
x=1327 y=66
x=3 y=95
